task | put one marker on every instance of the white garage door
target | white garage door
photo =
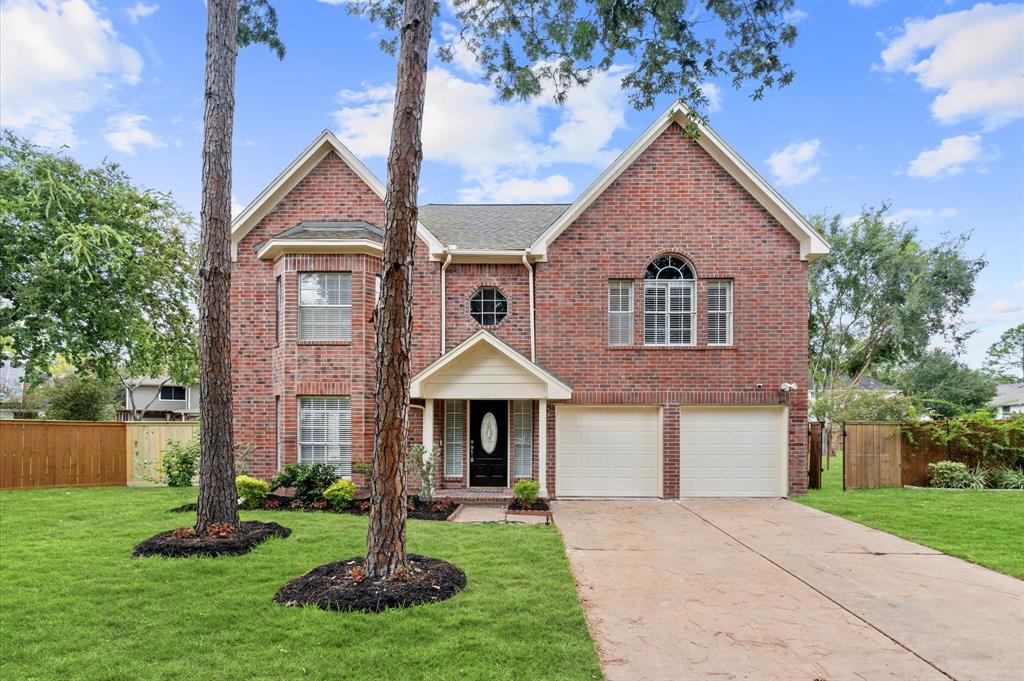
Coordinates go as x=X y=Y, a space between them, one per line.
x=732 y=452
x=607 y=451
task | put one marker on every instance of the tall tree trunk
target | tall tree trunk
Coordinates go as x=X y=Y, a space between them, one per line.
x=217 y=500
x=385 y=544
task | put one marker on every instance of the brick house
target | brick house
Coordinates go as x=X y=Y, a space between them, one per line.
x=644 y=340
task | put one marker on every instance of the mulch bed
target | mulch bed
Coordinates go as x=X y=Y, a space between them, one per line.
x=250 y=534
x=538 y=505
x=439 y=510
x=340 y=586
x=184 y=508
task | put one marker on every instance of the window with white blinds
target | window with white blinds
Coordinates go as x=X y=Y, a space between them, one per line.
x=325 y=432
x=620 y=312
x=279 y=312
x=720 y=312
x=325 y=306
x=669 y=313
x=454 y=437
x=522 y=419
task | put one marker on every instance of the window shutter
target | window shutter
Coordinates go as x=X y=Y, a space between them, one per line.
x=522 y=416
x=454 y=425
x=620 y=312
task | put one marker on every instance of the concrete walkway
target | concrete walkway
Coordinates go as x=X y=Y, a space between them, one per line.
x=771 y=589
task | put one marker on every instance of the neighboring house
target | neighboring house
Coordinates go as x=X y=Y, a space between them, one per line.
x=162 y=400
x=863 y=383
x=1009 y=400
x=633 y=343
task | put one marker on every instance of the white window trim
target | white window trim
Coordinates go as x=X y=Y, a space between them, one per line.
x=628 y=313
x=341 y=306
x=727 y=312
x=522 y=414
x=692 y=312
x=453 y=460
x=344 y=466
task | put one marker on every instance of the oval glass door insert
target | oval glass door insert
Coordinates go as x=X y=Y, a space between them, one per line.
x=489 y=432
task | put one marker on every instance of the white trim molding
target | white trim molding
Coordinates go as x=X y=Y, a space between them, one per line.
x=812 y=245
x=271 y=250
x=267 y=200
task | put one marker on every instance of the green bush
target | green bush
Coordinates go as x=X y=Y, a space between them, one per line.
x=80 y=398
x=977 y=478
x=340 y=494
x=251 y=491
x=526 y=491
x=1008 y=478
x=309 y=480
x=948 y=474
x=180 y=463
x=425 y=468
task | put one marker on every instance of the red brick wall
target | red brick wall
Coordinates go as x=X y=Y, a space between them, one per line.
x=676 y=199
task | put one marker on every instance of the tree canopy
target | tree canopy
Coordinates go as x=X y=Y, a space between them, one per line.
x=94 y=269
x=945 y=386
x=526 y=48
x=1006 y=355
x=881 y=295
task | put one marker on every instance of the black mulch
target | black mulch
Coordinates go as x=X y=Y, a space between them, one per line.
x=438 y=510
x=184 y=508
x=538 y=505
x=245 y=539
x=339 y=586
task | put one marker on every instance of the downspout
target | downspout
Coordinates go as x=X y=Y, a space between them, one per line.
x=444 y=266
x=533 y=331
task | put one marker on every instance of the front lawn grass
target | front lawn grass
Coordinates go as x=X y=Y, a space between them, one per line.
x=984 y=527
x=74 y=603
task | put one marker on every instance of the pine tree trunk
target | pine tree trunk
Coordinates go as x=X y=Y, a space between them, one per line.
x=217 y=499
x=385 y=544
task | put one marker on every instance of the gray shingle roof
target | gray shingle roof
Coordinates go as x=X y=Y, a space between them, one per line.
x=489 y=226
x=348 y=229
x=1008 y=394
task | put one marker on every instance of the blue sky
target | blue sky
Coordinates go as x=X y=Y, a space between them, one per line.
x=919 y=104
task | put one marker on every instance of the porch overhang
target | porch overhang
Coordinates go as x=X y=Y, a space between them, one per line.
x=484 y=367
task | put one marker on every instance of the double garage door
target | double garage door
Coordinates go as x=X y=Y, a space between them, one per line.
x=617 y=451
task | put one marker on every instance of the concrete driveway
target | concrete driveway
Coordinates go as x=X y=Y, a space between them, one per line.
x=769 y=589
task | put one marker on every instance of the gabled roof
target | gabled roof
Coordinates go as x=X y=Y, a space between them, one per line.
x=489 y=226
x=349 y=229
x=1008 y=394
x=325 y=143
x=812 y=245
x=550 y=386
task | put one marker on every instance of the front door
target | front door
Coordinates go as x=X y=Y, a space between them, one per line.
x=488 y=443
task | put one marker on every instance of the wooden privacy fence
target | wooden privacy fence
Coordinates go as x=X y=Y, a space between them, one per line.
x=38 y=453
x=872 y=454
x=815 y=438
x=61 y=454
x=146 y=442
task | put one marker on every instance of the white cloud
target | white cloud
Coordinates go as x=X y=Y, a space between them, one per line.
x=499 y=147
x=236 y=207
x=973 y=57
x=140 y=11
x=949 y=158
x=57 y=60
x=866 y=3
x=796 y=163
x=714 y=95
x=1018 y=285
x=795 y=15
x=1003 y=306
x=922 y=216
x=125 y=132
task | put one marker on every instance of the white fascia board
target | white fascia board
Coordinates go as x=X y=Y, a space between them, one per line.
x=812 y=245
x=274 y=248
x=483 y=256
x=267 y=199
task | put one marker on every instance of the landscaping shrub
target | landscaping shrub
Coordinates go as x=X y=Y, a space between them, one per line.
x=949 y=474
x=526 y=491
x=1008 y=478
x=251 y=491
x=309 y=480
x=976 y=438
x=977 y=478
x=340 y=494
x=180 y=463
x=425 y=470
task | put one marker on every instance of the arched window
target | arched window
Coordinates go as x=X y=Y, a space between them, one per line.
x=669 y=292
x=488 y=306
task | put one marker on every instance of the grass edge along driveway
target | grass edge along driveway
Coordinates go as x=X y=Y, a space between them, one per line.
x=74 y=604
x=984 y=527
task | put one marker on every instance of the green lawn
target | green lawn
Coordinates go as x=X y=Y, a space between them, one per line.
x=983 y=527
x=74 y=604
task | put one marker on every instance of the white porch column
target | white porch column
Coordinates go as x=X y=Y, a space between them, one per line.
x=428 y=429
x=542 y=445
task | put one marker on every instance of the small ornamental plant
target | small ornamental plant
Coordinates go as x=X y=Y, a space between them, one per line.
x=340 y=494
x=221 y=530
x=526 y=491
x=357 y=574
x=251 y=492
x=183 y=533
